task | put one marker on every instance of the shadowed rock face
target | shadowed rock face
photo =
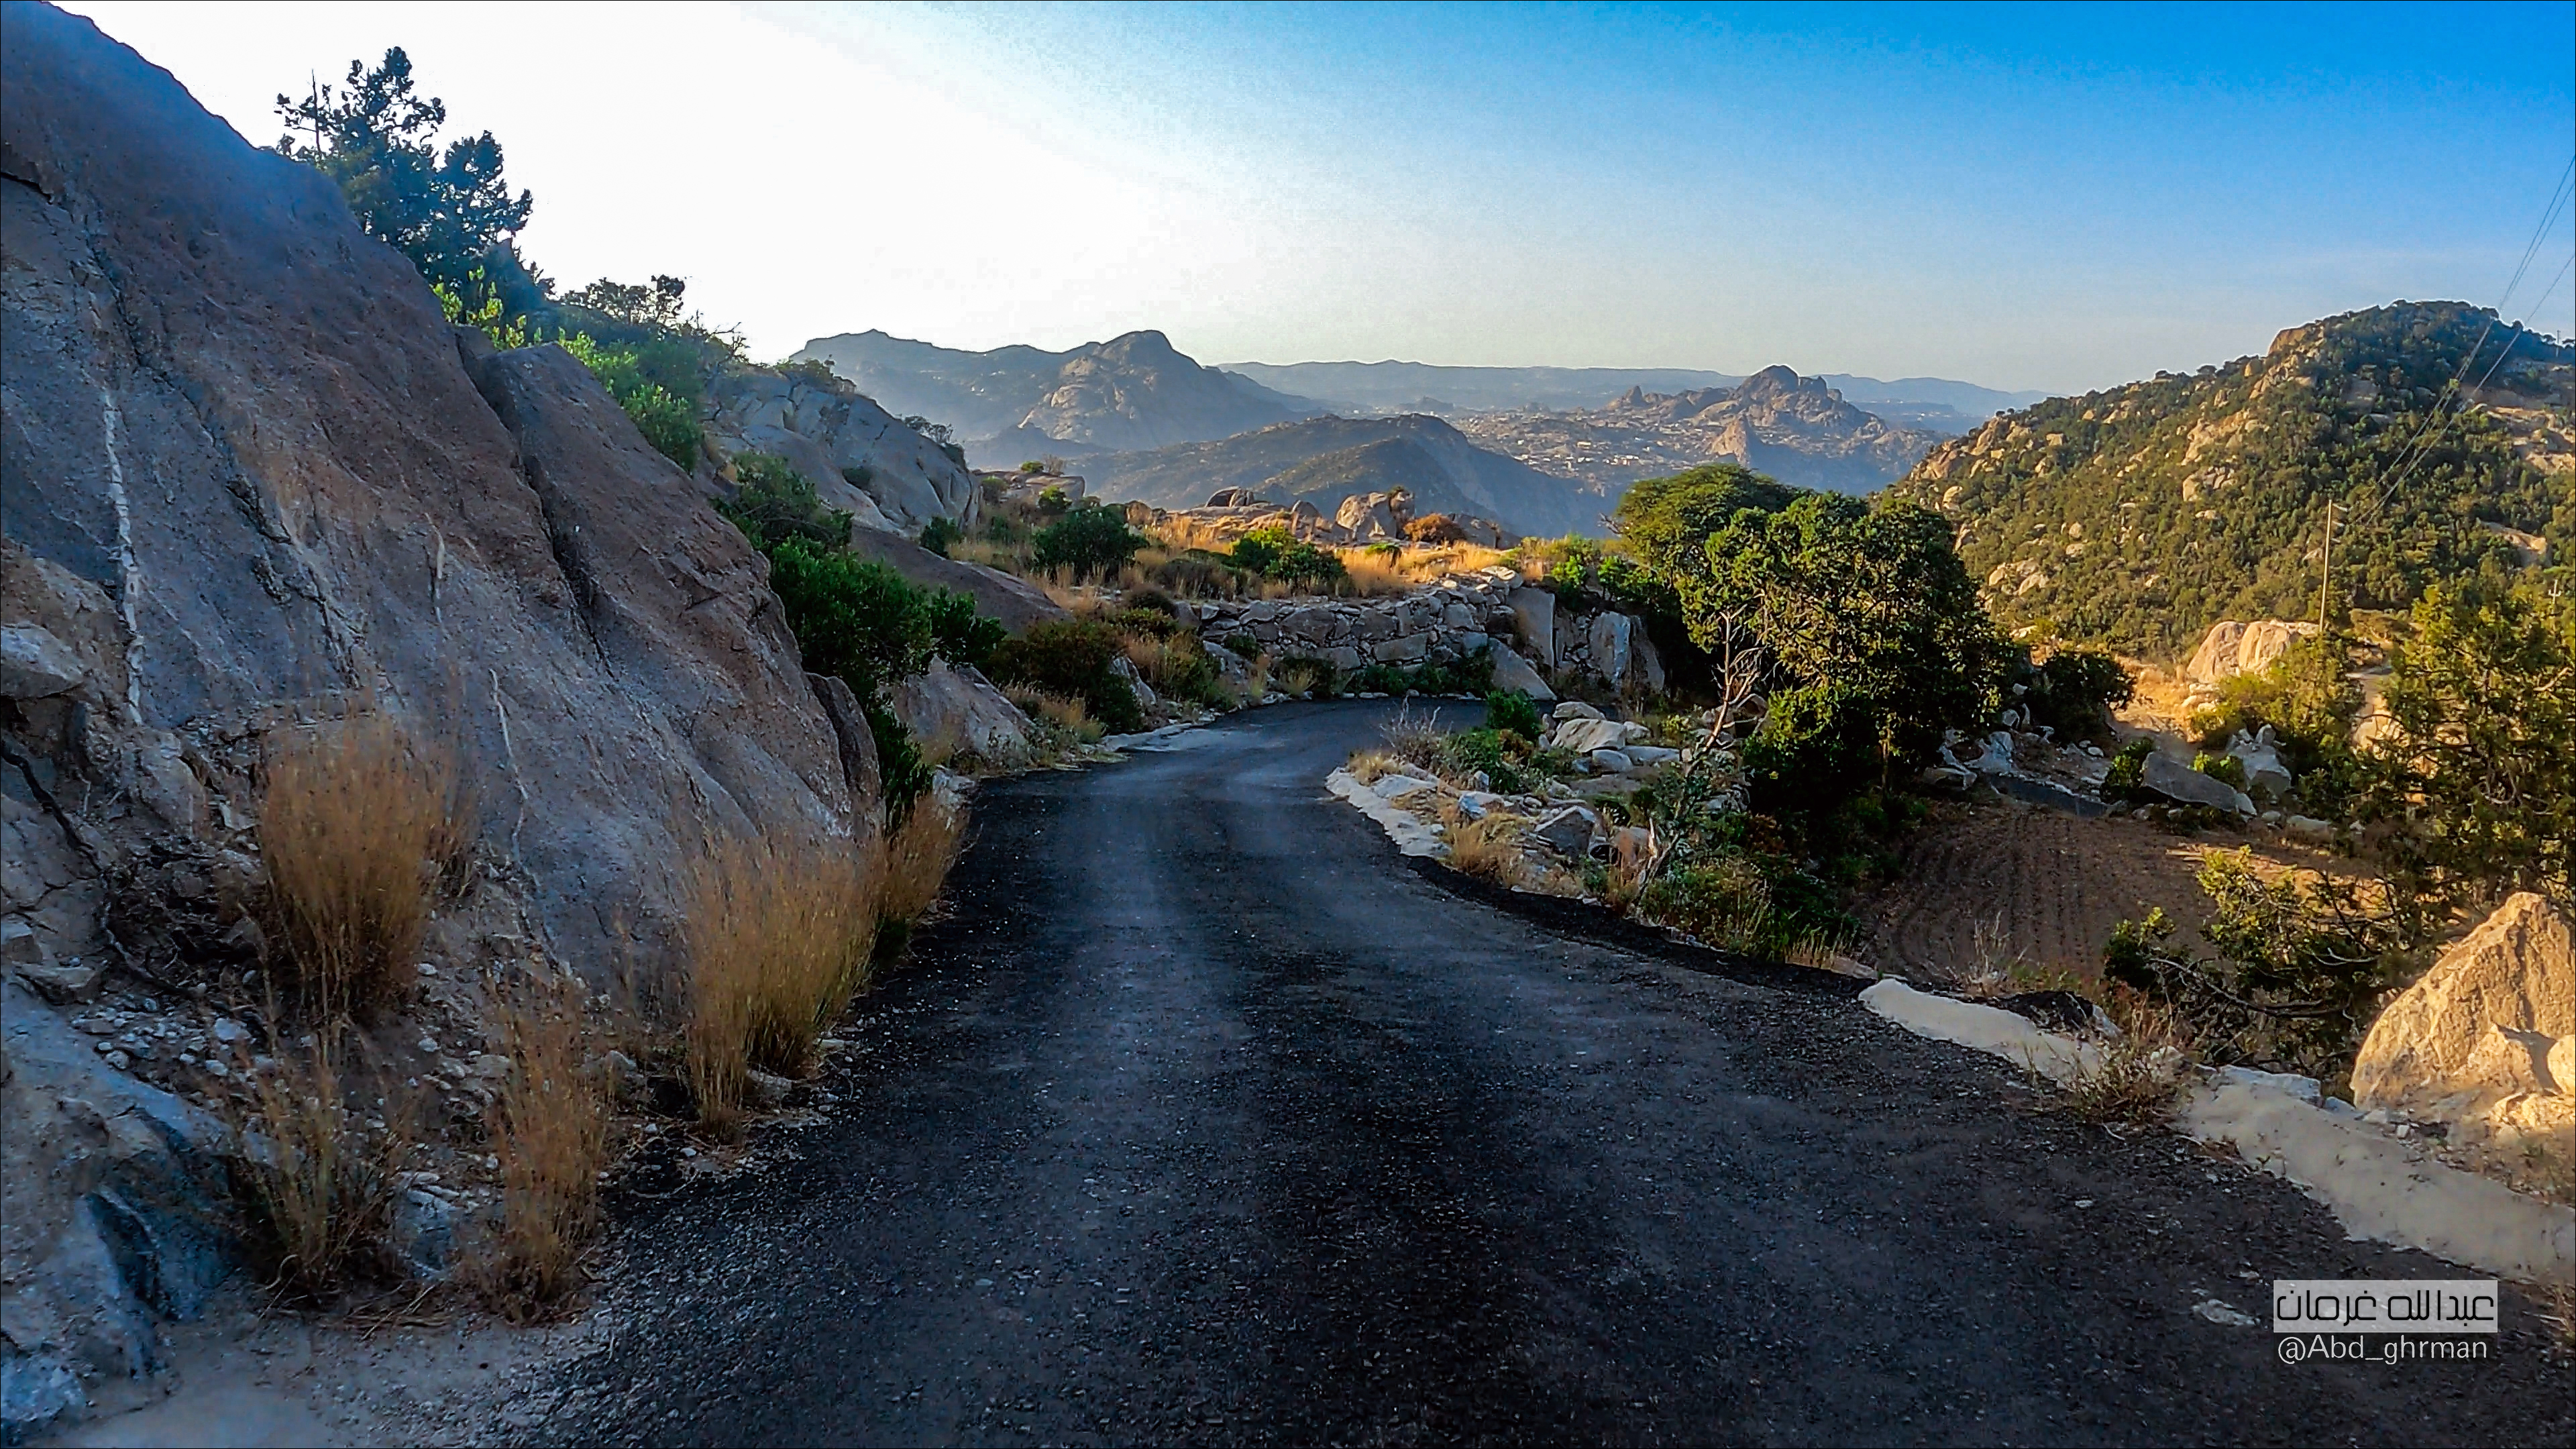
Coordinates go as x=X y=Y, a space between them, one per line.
x=250 y=478
x=243 y=427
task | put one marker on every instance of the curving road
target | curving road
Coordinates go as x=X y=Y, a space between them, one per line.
x=1205 y=1118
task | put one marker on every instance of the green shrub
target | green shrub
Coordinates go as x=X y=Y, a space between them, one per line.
x=1724 y=902
x=939 y=533
x=2227 y=769
x=957 y=633
x=1504 y=755
x=774 y=503
x=667 y=419
x=2128 y=777
x=874 y=628
x=2074 y=691
x=1032 y=465
x=1072 y=657
x=1818 y=745
x=1510 y=709
x=1089 y=540
x=1276 y=553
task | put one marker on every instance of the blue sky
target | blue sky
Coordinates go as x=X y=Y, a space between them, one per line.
x=2023 y=196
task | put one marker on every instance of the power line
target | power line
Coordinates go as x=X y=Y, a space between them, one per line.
x=2418 y=447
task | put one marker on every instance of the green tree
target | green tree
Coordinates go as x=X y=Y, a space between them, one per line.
x=1869 y=605
x=1665 y=520
x=450 y=211
x=1089 y=539
x=2475 y=779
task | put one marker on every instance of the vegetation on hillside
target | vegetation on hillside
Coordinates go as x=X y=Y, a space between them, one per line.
x=2140 y=515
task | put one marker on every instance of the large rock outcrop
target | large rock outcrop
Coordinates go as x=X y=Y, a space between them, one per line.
x=858 y=456
x=2482 y=1040
x=250 y=479
x=2231 y=648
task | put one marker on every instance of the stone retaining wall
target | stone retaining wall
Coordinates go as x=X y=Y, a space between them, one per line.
x=1440 y=624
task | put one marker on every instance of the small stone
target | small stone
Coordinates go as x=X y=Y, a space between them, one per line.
x=426 y=969
x=226 y=1029
x=216 y=1069
x=63 y=985
x=428 y=1045
x=119 y=1060
x=764 y=1090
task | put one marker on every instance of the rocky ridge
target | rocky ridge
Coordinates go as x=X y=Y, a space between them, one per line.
x=1321 y=460
x=1134 y=391
x=1796 y=429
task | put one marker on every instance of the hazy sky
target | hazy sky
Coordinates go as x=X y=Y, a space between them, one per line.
x=2022 y=196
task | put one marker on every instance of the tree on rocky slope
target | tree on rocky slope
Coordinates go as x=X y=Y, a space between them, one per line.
x=376 y=135
x=2476 y=778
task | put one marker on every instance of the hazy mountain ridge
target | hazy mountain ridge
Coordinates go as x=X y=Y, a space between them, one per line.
x=2144 y=513
x=1409 y=386
x=1135 y=391
x=1799 y=430
x=1326 y=458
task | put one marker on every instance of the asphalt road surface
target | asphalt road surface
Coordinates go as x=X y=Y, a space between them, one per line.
x=1204 y=1118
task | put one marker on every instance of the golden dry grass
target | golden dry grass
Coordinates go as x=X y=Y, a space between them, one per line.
x=358 y=824
x=550 y=1134
x=1489 y=849
x=320 y=1179
x=778 y=937
x=1370 y=766
x=1068 y=714
x=918 y=857
x=1373 y=572
x=2137 y=1076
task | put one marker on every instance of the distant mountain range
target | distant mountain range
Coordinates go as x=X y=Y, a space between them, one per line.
x=1799 y=430
x=1366 y=387
x=1132 y=392
x=1325 y=459
x=1543 y=450
x=2140 y=515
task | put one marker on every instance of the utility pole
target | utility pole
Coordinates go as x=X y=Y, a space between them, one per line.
x=2325 y=576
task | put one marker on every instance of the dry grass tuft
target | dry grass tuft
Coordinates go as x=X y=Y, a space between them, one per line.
x=918 y=857
x=2138 y=1076
x=550 y=1133
x=1372 y=573
x=778 y=937
x=1300 y=676
x=320 y=1176
x=1417 y=740
x=1370 y=766
x=1489 y=849
x=1069 y=716
x=358 y=825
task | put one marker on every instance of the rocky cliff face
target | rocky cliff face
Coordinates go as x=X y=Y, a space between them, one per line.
x=250 y=480
x=858 y=456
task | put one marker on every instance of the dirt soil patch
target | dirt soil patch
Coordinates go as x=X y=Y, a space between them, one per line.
x=1982 y=885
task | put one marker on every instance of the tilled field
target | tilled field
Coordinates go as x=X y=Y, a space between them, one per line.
x=1986 y=885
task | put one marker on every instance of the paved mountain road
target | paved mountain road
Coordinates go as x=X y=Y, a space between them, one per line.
x=1206 y=1119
